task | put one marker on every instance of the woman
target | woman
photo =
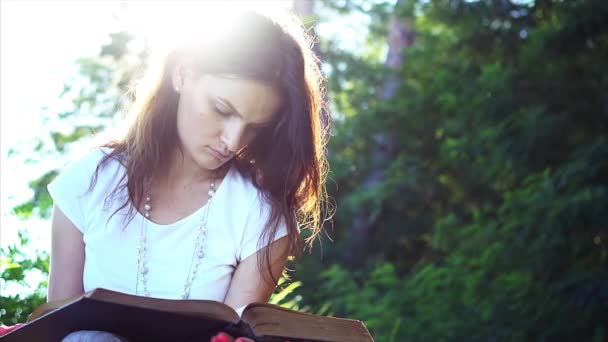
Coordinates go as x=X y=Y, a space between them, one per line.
x=203 y=196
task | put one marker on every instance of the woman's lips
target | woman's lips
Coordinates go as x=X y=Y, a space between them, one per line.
x=218 y=155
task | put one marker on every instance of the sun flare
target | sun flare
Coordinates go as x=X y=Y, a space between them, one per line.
x=163 y=25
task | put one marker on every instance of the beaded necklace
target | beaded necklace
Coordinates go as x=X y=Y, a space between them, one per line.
x=197 y=255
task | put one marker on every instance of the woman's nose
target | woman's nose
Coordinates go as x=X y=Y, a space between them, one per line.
x=232 y=136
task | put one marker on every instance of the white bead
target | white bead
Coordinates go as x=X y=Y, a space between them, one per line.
x=211 y=193
x=147 y=206
x=147 y=214
x=147 y=198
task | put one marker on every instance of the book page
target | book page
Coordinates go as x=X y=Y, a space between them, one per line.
x=269 y=320
x=239 y=310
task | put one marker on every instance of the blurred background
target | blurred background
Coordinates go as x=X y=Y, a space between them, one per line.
x=469 y=155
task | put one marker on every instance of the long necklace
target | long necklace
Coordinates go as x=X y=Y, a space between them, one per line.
x=197 y=255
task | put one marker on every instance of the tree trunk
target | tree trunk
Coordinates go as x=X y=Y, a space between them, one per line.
x=400 y=36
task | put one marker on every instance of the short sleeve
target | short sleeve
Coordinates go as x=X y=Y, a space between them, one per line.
x=256 y=222
x=70 y=188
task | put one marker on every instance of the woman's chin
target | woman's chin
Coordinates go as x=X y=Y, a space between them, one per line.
x=212 y=164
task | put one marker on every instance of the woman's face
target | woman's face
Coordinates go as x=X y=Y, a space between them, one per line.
x=217 y=116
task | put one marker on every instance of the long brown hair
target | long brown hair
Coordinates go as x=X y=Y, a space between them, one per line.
x=286 y=161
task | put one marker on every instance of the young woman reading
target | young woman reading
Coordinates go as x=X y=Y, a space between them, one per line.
x=204 y=195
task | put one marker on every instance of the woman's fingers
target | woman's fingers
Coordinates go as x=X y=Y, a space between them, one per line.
x=223 y=337
x=6 y=329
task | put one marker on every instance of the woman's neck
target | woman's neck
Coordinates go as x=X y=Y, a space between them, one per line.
x=182 y=171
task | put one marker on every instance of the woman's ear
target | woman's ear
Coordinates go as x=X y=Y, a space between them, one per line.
x=178 y=77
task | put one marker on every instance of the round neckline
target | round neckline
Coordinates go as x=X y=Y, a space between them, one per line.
x=196 y=213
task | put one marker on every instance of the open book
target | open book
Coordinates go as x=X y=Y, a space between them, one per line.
x=151 y=319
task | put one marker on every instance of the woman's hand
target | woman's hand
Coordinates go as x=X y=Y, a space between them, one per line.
x=6 y=329
x=223 y=337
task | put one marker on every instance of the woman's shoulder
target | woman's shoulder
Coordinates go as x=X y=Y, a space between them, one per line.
x=244 y=195
x=241 y=187
x=92 y=163
x=90 y=159
x=72 y=188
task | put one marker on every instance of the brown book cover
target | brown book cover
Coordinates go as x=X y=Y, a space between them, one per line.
x=151 y=319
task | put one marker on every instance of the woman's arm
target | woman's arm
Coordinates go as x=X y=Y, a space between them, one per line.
x=67 y=258
x=248 y=285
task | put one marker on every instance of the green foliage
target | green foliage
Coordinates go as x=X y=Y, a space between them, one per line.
x=489 y=222
x=61 y=140
x=96 y=102
x=41 y=203
x=15 y=266
x=285 y=297
x=492 y=210
x=375 y=298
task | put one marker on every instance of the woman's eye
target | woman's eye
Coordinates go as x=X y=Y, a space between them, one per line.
x=220 y=112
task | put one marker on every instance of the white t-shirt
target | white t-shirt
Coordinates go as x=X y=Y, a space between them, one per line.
x=236 y=218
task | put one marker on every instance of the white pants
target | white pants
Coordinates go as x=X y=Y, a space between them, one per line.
x=93 y=336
